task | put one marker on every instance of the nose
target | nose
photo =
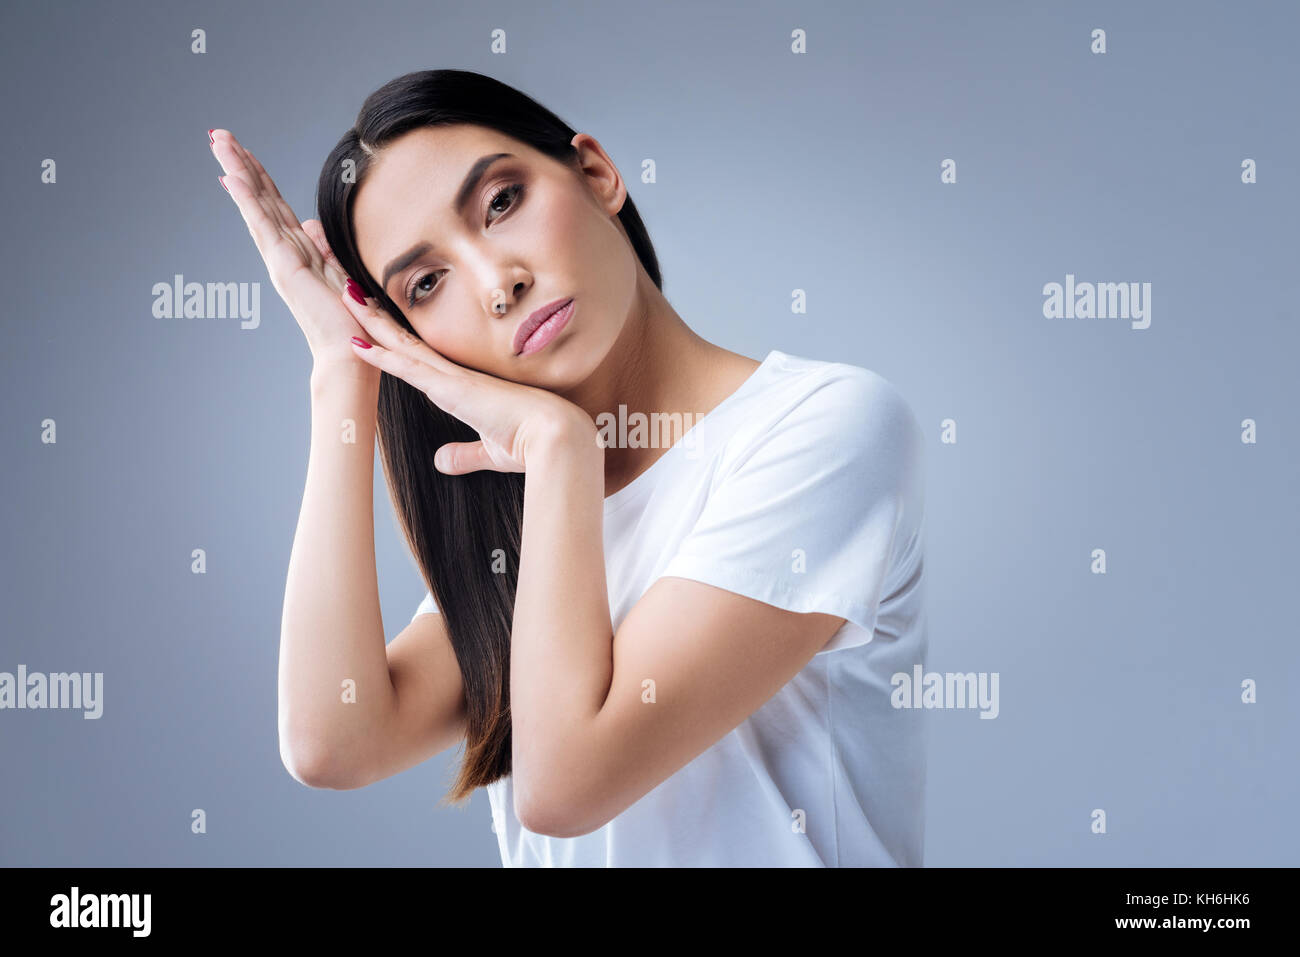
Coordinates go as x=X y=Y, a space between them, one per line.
x=500 y=301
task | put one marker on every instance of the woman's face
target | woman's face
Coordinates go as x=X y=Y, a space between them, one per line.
x=448 y=231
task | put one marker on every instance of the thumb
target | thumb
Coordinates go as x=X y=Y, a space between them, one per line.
x=457 y=458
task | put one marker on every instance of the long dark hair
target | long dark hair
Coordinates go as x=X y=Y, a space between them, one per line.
x=463 y=530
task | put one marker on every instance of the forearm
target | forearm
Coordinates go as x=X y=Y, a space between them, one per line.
x=561 y=659
x=331 y=629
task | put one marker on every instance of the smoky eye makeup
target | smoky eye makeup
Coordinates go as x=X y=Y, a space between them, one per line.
x=501 y=200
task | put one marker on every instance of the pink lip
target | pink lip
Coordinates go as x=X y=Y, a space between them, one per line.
x=562 y=307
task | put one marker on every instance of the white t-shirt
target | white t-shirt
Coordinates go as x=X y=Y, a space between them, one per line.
x=802 y=489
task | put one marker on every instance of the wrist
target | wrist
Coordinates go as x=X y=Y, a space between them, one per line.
x=569 y=435
x=331 y=373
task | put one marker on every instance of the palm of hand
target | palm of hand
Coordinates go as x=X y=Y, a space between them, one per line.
x=302 y=267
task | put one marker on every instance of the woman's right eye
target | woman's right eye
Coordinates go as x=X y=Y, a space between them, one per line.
x=411 y=299
x=514 y=191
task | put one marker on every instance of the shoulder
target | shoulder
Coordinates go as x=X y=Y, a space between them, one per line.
x=835 y=409
x=856 y=396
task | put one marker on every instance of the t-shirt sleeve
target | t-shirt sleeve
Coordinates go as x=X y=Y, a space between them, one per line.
x=427 y=607
x=814 y=511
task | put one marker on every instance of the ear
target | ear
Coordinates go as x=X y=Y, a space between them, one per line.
x=600 y=172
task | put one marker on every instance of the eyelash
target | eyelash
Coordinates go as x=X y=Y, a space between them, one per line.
x=518 y=191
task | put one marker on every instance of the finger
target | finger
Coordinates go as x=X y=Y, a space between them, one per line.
x=382 y=329
x=243 y=185
x=447 y=390
x=235 y=165
x=237 y=161
x=458 y=458
x=264 y=230
x=232 y=163
x=255 y=168
x=270 y=192
x=225 y=144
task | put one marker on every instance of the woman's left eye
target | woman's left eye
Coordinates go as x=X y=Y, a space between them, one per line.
x=513 y=191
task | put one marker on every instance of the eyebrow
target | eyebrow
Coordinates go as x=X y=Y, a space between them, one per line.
x=467 y=187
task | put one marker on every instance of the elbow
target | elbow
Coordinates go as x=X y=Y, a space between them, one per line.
x=545 y=815
x=563 y=794
x=543 y=821
x=315 y=766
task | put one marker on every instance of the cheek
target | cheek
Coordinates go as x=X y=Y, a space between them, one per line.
x=459 y=333
x=458 y=344
x=566 y=232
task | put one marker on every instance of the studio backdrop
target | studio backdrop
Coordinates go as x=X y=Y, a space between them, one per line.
x=1066 y=232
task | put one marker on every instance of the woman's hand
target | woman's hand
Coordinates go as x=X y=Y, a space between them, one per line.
x=511 y=419
x=302 y=268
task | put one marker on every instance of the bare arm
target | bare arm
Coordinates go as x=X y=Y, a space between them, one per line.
x=331 y=631
x=353 y=711
x=350 y=709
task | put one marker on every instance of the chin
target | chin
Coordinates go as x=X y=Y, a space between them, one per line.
x=567 y=369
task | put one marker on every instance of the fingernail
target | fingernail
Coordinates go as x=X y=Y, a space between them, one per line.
x=222 y=181
x=360 y=342
x=354 y=290
x=211 y=139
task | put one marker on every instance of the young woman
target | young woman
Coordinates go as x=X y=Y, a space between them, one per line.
x=655 y=652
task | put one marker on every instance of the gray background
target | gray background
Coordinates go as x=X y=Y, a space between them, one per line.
x=775 y=172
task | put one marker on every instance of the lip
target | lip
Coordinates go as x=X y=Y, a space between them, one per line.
x=529 y=325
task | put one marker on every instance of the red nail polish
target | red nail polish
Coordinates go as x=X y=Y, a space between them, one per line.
x=211 y=138
x=222 y=181
x=361 y=342
x=354 y=290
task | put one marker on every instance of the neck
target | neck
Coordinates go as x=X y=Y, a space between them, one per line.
x=657 y=365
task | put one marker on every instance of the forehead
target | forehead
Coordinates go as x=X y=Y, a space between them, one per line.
x=409 y=187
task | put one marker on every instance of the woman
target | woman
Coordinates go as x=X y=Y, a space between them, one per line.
x=657 y=649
